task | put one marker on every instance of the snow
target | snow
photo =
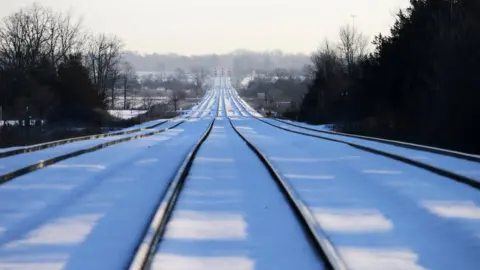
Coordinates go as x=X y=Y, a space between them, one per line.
x=391 y=203
x=317 y=127
x=172 y=261
x=18 y=122
x=227 y=214
x=229 y=108
x=138 y=102
x=245 y=105
x=380 y=259
x=147 y=124
x=233 y=98
x=377 y=212
x=245 y=81
x=9 y=122
x=17 y=162
x=463 y=167
x=82 y=221
x=198 y=225
x=139 y=126
x=126 y=114
x=352 y=221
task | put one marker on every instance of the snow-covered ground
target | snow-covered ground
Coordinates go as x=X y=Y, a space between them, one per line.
x=231 y=218
x=376 y=212
x=139 y=102
x=19 y=122
x=463 y=167
x=126 y=114
x=245 y=81
x=317 y=127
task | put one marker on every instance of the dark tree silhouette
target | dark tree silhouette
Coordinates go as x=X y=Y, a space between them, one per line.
x=420 y=84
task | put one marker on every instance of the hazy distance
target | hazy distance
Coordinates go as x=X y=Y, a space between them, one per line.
x=215 y=26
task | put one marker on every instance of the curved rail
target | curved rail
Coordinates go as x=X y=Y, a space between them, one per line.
x=36 y=166
x=443 y=172
x=318 y=238
x=457 y=177
x=42 y=146
x=142 y=259
x=392 y=142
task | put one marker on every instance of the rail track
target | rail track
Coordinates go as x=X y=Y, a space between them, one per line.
x=390 y=142
x=43 y=163
x=424 y=165
x=432 y=168
x=29 y=149
x=145 y=253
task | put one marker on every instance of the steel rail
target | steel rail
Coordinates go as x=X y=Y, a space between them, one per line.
x=312 y=229
x=41 y=164
x=145 y=251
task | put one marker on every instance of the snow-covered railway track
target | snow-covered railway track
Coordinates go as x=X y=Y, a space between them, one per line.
x=144 y=254
x=240 y=193
x=28 y=159
x=33 y=148
x=379 y=213
x=19 y=165
x=460 y=167
x=444 y=170
x=382 y=206
x=435 y=150
x=92 y=203
x=324 y=247
x=215 y=212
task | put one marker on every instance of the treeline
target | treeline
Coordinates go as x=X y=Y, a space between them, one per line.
x=178 y=80
x=51 y=68
x=280 y=90
x=421 y=83
x=241 y=62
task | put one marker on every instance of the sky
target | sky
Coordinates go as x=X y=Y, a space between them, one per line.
x=195 y=27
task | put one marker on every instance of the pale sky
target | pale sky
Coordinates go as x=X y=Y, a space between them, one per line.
x=221 y=26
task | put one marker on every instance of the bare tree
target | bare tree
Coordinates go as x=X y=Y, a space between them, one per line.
x=353 y=45
x=127 y=76
x=36 y=33
x=199 y=77
x=176 y=96
x=181 y=75
x=113 y=77
x=103 y=58
x=64 y=37
x=326 y=67
x=281 y=73
x=148 y=100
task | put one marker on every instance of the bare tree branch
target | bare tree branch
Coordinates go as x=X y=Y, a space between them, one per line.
x=353 y=45
x=127 y=76
x=103 y=58
x=34 y=34
x=199 y=77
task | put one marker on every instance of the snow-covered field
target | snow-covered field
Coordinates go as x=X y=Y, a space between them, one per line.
x=138 y=102
x=126 y=114
x=19 y=122
x=374 y=211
